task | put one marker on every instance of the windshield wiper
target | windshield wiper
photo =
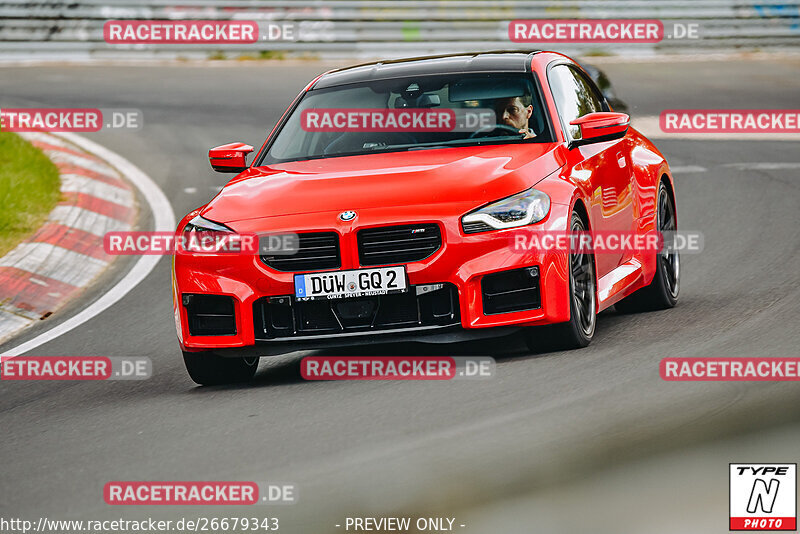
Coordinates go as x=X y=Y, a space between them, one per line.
x=427 y=147
x=406 y=148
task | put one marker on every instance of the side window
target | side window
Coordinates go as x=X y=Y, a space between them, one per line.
x=573 y=95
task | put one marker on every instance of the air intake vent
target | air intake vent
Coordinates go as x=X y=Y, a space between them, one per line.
x=421 y=306
x=510 y=291
x=398 y=244
x=210 y=315
x=316 y=251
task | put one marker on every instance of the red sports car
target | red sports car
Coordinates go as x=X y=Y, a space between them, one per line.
x=401 y=184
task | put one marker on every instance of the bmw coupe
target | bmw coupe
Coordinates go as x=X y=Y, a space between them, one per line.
x=401 y=183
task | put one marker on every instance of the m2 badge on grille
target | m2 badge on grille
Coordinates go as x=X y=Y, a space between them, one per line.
x=348 y=284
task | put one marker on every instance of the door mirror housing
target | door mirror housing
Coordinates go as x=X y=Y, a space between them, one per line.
x=229 y=158
x=600 y=126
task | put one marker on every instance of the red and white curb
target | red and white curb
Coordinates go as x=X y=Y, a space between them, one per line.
x=66 y=254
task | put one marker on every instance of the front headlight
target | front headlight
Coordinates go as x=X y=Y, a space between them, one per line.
x=201 y=236
x=528 y=207
x=199 y=224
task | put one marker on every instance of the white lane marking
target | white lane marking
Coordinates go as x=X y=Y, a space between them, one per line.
x=86 y=220
x=686 y=169
x=54 y=262
x=764 y=166
x=190 y=190
x=75 y=183
x=650 y=127
x=164 y=221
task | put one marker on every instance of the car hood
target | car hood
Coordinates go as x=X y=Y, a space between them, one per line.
x=469 y=175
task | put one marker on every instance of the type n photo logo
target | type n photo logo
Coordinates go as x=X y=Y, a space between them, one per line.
x=763 y=497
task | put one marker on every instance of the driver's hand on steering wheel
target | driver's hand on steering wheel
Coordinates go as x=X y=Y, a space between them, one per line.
x=527 y=133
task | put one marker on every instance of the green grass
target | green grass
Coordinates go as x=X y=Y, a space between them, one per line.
x=263 y=54
x=596 y=52
x=29 y=189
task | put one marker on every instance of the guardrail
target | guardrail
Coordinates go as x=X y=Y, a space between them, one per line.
x=382 y=28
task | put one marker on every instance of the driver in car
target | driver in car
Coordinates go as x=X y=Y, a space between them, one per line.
x=515 y=112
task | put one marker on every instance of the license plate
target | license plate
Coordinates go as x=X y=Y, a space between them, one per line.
x=348 y=284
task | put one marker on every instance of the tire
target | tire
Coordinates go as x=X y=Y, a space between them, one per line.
x=579 y=330
x=209 y=369
x=662 y=292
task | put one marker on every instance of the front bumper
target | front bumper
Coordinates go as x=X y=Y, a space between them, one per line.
x=425 y=335
x=460 y=264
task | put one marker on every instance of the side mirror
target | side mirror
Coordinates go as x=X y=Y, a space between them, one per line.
x=600 y=126
x=229 y=158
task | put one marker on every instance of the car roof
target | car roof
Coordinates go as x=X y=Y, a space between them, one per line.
x=495 y=61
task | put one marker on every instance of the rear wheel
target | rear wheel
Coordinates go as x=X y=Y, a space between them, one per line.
x=579 y=330
x=662 y=292
x=209 y=369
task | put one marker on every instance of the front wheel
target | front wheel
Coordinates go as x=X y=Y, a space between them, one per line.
x=209 y=369
x=579 y=330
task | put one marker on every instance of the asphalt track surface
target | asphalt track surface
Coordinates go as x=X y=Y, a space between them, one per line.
x=596 y=428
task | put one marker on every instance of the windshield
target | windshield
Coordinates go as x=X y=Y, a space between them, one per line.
x=413 y=113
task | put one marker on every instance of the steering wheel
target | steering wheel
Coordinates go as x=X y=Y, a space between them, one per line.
x=484 y=131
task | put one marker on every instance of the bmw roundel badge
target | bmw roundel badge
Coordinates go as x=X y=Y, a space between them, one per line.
x=347 y=215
